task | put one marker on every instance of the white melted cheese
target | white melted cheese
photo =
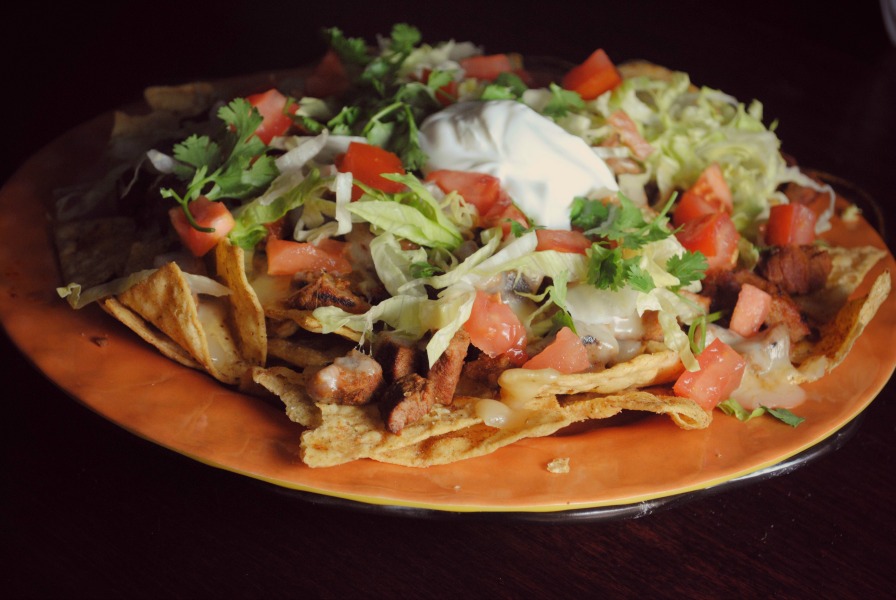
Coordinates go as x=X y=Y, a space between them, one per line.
x=769 y=378
x=541 y=166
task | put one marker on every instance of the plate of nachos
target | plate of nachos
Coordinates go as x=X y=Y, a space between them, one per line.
x=420 y=275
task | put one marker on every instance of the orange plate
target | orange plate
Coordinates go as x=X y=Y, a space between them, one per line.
x=620 y=465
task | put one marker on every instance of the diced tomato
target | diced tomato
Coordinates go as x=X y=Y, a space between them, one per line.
x=750 y=311
x=504 y=214
x=721 y=371
x=566 y=354
x=366 y=163
x=487 y=67
x=328 y=78
x=272 y=107
x=690 y=207
x=493 y=326
x=709 y=194
x=715 y=236
x=286 y=257
x=593 y=77
x=207 y=214
x=629 y=135
x=478 y=189
x=562 y=241
x=790 y=224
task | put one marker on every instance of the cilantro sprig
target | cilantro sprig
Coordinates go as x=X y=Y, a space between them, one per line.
x=733 y=408
x=620 y=230
x=386 y=110
x=234 y=165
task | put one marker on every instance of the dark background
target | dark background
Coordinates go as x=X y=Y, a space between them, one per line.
x=66 y=62
x=92 y=511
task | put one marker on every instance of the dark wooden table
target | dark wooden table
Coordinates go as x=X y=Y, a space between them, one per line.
x=92 y=511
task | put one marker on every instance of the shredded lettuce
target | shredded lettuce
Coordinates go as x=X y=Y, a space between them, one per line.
x=78 y=297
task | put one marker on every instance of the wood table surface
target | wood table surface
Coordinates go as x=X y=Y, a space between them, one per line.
x=90 y=510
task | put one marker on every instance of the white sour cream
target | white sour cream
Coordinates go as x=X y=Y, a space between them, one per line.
x=540 y=165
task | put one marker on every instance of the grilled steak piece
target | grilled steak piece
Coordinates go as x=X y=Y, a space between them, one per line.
x=445 y=373
x=411 y=396
x=328 y=290
x=397 y=356
x=405 y=401
x=796 y=270
x=351 y=379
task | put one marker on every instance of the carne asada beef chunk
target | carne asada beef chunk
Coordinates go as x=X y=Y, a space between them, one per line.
x=411 y=396
x=445 y=373
x=325 y=289
x=405 y=401
x=398 y=356
x=487 y=369
x=796 y=270
x=352 y=379
x=724 y=286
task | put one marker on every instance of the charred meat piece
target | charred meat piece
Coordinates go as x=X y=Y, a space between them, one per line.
x=397 y=356
x=405 y=401
x=352 y=379
x=723 y=288
x=486 y=369
x=796 y=270
x=327 y=290
x=411 y=396
x=445 y=373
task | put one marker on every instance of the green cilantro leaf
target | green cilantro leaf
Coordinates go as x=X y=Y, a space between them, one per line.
x=588 y=214
x=785 y=416
x=350 y=50
x=688 y=267
x=733 y=408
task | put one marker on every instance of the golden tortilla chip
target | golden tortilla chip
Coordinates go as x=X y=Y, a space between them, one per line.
x=653 y=368
x=305 y=319
x=149 y=334
x=247 y=316
x=166 y=301
x=289 y=386
x=480 y=439
x=849 y=268
x=838 y=336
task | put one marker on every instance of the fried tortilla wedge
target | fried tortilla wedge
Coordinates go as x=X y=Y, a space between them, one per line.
x=338 y=434
x=223 y=336
x=305 y=319
x=480 y=439
x=246 y=316
x=657 y=366
x=839 y=334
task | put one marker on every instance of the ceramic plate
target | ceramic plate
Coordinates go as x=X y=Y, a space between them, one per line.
x=616 y=467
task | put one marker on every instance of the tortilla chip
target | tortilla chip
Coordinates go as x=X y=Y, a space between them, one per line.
x=289 y=386
x=90 y=250
x=165 y=300
x=305 y=319
x=188 y=99
x=480 y=439
x=247 y=316
x=838 y=336
x=641 y=371
x=849 y=268
x=149 y=334
x=684 y=412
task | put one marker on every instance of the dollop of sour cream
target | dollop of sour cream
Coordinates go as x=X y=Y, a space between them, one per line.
x=541 y=166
